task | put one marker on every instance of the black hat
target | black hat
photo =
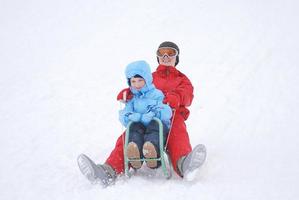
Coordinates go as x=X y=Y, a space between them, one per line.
x=172 y=45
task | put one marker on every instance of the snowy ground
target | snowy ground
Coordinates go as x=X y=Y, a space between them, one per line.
x=62 y=64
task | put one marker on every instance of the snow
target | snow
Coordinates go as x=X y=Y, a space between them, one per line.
x=62 y=65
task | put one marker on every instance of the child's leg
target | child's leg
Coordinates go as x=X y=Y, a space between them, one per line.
x=151 y=147
x=116 y=157
x=152 y=134
x=137 y=131
x=134 y=148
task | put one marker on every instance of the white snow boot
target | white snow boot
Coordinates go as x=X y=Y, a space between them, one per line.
x=190 y=164
x=103 y=174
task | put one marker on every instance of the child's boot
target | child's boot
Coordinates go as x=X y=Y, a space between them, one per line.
x=149 y=151
x=134 y=153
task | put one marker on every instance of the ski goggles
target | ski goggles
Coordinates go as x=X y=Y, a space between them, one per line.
x=169 y=51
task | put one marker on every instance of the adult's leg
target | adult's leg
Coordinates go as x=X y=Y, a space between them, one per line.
x=178 y=141
x=116 y=157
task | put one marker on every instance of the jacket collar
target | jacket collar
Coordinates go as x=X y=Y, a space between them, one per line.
x=167 y=70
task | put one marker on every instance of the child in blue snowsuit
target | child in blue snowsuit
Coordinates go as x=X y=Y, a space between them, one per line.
x=147 y=103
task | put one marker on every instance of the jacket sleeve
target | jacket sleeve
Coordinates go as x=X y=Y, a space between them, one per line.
x=184 y=91
x=125 y=95
x=161 y=110
x=124 y=114
x=164 y=113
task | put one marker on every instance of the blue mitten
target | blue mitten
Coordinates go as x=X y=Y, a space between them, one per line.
x=135 y=117
x=147 y=117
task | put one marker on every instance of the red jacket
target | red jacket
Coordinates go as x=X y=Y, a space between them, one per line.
x=170 y=80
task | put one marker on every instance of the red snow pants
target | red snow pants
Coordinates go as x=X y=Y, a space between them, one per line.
x=178 y=146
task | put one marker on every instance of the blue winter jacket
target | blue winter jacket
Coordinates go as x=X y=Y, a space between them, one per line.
x=147 y=99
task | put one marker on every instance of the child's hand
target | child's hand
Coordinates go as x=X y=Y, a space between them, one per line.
x=146 y=118
x=135 y=117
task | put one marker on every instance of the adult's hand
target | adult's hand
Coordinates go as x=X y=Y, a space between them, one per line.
x=172 y=99
x=125 y=95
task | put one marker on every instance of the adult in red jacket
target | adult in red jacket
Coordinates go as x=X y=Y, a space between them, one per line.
x=178 y=92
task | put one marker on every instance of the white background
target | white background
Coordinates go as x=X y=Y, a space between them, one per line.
x=62 y=64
